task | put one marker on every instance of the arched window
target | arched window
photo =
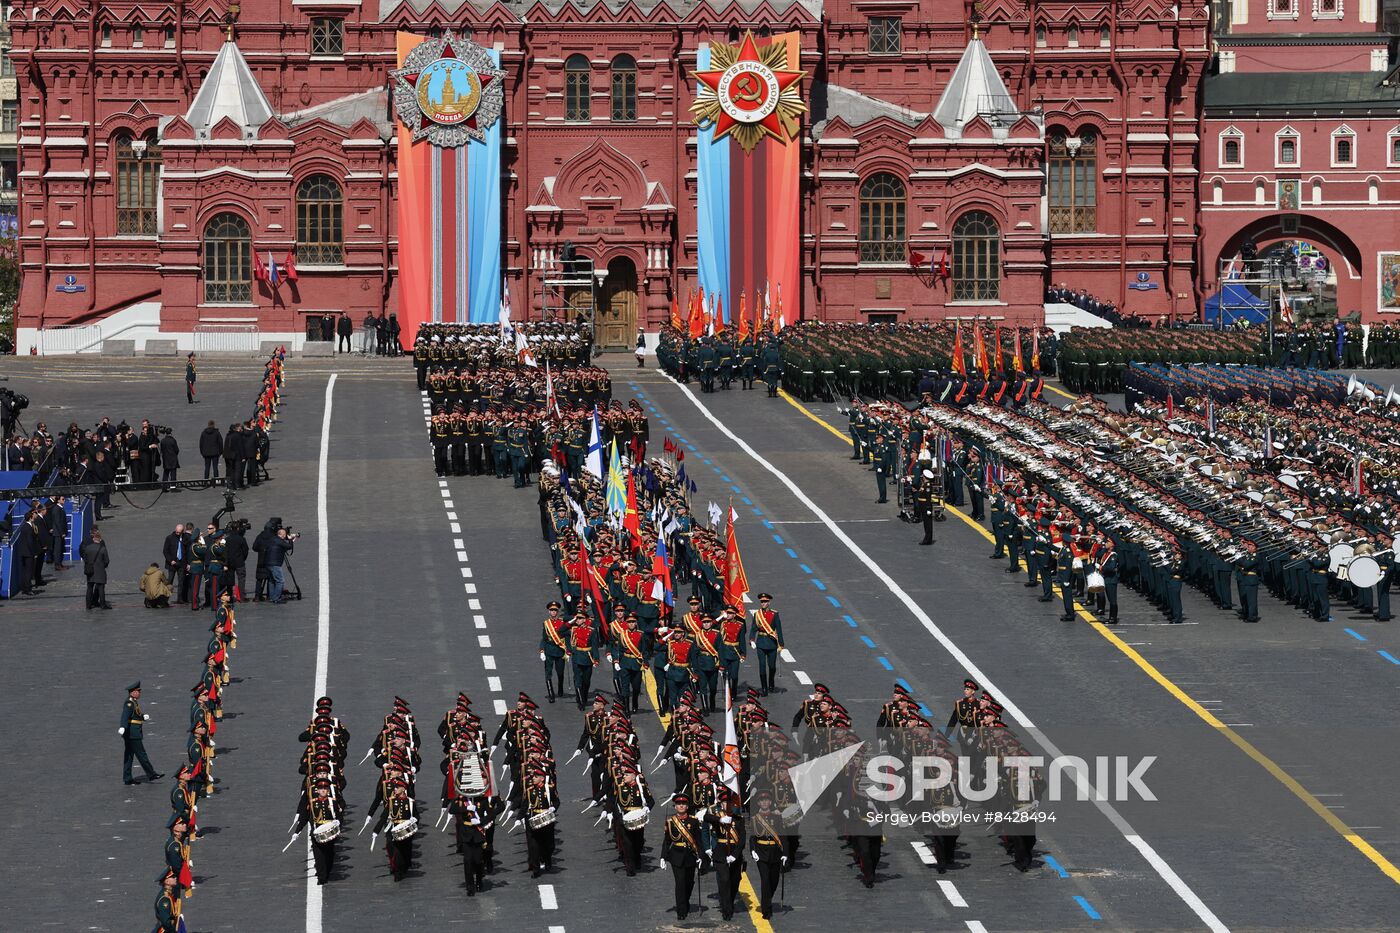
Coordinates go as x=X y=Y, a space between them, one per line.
x=1072 y=37
x=1073 y=173
x=1040 y=37
x=577 y=106
x=1104 y=35
x=882 y=219
x=228 y=252
x=976 y=258
x=624 y=89
x=320 y=232
x=138 y=179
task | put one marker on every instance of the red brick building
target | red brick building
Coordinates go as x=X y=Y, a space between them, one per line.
x=156 y=158
x=1302 y=144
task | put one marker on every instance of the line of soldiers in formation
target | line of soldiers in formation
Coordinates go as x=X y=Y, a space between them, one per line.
x=475 y=387
x=1093 y=359
x=721 y=358
x=485 y=346
x=837 y=360
x=507 y=441
x=195 y=779
x=1090 y=497
x=1338 y=345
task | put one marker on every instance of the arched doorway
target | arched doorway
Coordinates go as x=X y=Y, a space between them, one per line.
x=616 y=323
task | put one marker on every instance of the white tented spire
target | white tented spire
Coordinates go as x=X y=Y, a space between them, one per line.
x=975 y=88
x=229 y=90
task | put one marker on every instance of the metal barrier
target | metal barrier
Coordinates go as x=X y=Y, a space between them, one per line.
x=71 y=338
x=227 y=338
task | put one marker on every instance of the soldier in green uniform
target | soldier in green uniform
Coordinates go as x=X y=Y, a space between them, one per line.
x=518 y=446
x=168 y=904
x=747 y=358
x=724 y=352
x=553 y=648
x=855 y=419
x=130 y=728
x=766 y=637
x=583 y=657
x=771 y=363
x=218 y=561
x=882 y=452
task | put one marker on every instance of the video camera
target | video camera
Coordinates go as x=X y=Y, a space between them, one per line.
x=277 y=524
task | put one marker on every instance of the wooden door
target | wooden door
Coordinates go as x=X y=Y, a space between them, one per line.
x=618 y=327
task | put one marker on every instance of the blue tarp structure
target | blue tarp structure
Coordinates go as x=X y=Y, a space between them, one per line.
x=1239 y=305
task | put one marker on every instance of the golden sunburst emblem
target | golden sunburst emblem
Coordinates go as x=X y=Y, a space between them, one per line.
x=749 y=93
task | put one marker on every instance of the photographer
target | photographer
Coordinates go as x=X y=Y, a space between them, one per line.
x=273 y=550
x=211 y=447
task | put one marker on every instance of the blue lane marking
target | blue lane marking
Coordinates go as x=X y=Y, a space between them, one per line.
x=834 y=601
x=778 y=538
x=1055 y=866
x=716 y=469
x=904 y=683
x=691 y=447
x=884 y=662
x=852 y=623
x=1354 y=634
x=746 y=500
x=791 y=553
x=924 y=710
x=767 y=524
x=822 y=586
x=804 y=568
x=723 y=478
x=706 y=462
x=1390 y=657
x=867 y=640
x=757 y=512
x=1088 y=908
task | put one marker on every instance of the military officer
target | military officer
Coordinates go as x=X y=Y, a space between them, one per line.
x=130 y=728
x=771 y=362
x=553 y=648
x=707 y=661
x=1109 y=568
x=680 y=849
x=1247 y=576
x=926 y=500
x=731 y=646
x=627 y=654
x=767 y=851
x=766 y=637
x=882 y=454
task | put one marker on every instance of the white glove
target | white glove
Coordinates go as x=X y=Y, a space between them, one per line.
x=701 y=814
x=121 y=731
x=616 y=666
x=662 y=863
x=754 y=856
x=729 y=859
x=145 y=717
x=784 y=858
x=726 y=819
x=666 y=668
x=753 y=645
x=211 y=744
x=541 y=655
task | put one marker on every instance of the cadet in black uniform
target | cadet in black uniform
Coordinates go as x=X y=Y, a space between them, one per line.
x=680 y=848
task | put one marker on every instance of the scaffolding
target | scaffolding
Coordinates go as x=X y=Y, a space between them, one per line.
x=568 y=289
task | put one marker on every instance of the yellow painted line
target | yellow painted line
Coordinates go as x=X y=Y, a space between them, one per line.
x=1061 y=392
x=1388 y=867
x=746 y=890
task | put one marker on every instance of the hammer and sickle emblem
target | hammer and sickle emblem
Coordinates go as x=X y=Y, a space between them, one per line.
x=748 y=90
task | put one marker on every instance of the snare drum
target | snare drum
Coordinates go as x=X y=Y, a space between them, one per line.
x=542 y=819
x=328 y=831
x=635 y=819
x=792 y=815
x=404 y=829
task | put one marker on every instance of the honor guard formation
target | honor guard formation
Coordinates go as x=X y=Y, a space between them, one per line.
x=195 y=779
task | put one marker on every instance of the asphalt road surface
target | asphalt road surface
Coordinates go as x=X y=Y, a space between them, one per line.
x=1274 y=743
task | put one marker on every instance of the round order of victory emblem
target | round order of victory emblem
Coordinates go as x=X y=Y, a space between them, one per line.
x=748 y=91
x=449 y=91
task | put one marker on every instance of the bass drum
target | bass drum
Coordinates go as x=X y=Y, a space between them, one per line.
x=1338 y=555
x=1364 y=572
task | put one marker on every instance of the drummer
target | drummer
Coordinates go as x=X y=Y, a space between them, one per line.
x=323 y=814
x=400 y=817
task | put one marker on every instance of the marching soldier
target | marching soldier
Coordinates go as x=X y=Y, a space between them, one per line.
x=731 y=646
x=583 y=656
x=768 y=851
x=926 y=499
x=706 y=665
x=474 y=821
x=399 y=822
x=130 y=727
x=317 y=811
x=627 y=655
x=553 y=648
x=727 y=828
x=680 y=848
x=766 y=637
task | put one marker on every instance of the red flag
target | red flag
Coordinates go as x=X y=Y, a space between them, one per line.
x=588 y=577
x=630 y=519
x=736 y=582
x=1001 y=366
x=290 y=266
x=1017 y=361
x=259 y=270
x=959 y=364
x=718 y=320
x=668 y=446
x=1035 y=350
x=743 y=321
x=942 y=269
x=979 y=350
x=675 y=314
x=697 y=317
x=1169 y=406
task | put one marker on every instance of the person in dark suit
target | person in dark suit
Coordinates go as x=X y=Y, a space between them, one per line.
x=24 y=550
x=58 y=528
x=45 y=539
x=231 y=469
x=211 y=447
x=176 y=553
x=95 y=561
x=343 y=329
x=169 y=456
